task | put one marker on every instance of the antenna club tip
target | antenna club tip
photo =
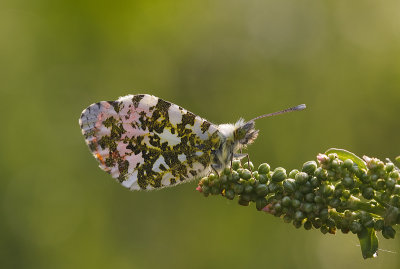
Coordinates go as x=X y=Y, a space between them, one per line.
x=300 y=107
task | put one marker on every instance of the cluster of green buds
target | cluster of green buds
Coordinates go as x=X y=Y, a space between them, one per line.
x=339 y=191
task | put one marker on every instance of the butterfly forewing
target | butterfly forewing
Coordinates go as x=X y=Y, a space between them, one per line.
x=146 y=142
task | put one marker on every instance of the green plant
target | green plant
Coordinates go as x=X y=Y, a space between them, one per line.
x=339 y=191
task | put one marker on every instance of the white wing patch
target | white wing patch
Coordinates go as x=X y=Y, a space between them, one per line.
x=174 y=114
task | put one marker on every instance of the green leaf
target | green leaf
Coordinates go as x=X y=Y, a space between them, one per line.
x=344 y=155
x=368 y=243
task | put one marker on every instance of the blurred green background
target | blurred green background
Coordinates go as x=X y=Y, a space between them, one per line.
x=221 y=59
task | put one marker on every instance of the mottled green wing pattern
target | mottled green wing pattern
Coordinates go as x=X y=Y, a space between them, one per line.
x=145 y=142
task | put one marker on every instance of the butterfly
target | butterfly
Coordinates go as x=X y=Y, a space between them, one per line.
x=147 y=143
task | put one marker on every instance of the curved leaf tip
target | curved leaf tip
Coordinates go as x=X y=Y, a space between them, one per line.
x=345 y=154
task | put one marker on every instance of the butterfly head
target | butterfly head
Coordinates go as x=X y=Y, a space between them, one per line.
x=245 y=133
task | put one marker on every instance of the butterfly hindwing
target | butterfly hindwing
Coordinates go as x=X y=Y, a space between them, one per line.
x=145 y=142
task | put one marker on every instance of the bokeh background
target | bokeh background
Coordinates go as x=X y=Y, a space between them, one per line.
x=222 y=60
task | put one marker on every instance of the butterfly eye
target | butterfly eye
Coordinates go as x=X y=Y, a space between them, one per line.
x=239 y=134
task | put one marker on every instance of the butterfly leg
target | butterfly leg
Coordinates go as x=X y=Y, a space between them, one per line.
x=241 y=156
x=215 y=167
x=248 y=164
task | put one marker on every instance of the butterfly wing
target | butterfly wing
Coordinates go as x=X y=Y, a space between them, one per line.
x=145 y=142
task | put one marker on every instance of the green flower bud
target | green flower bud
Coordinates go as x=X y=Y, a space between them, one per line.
x=345 y=230
x=274 y=187
x=298 y=195
x=396 y=189
x=235 y=176
x=339 y=188
x=307 y=225
x=332 y=156
x=238 y=188
x=334 y=202
x=390 y=183
x=252 y=181
x=348 y=164
x=262 y=178
x=279 y=174
x=236 y=164
x=324 y=214
x=368 y=193
x=253 y=197
x=380 y=184
x=206 y=190
x=223 y=179
x=297 y=223
x=362 y=175
x=245 y=174
x=293 y=173
x=278 y=207
x=391 y=216
x=330 y=223
x=389 y=167
x=317 y=223
x=395 y=175
x=296 y=203
x=314 y=181
x=215 y=190
x=211 y=177
x=373 y=177
x=318 y=199
x=245 y=196
x=261 y=190
x=310 y=197
x=380 y=165
x=248 y=189
x=309 y=167
x=395 y=201
x=256 y=175
x=364 y=217
x=216 y=183
x=248 y=165
x=306 y=188
x=388 y=232
x=324 y=229
x=355 y=227
x=286 y=201
x=308 y=207
x=299 y=215
x=205 y=181
x=378 y=226
x=301 y=178
x=261 y=203
x=348 y=182
x=326 y=190
x=230 y=194
x=321 y=173
x=243 y=202
x=346 y=194
x=289 y=185
x=335 y=164
x=355 y=191
x=287 y=218
x=264 y=168
x=311 y=215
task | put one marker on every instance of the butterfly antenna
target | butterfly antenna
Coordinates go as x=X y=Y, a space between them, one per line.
x=295 y=108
